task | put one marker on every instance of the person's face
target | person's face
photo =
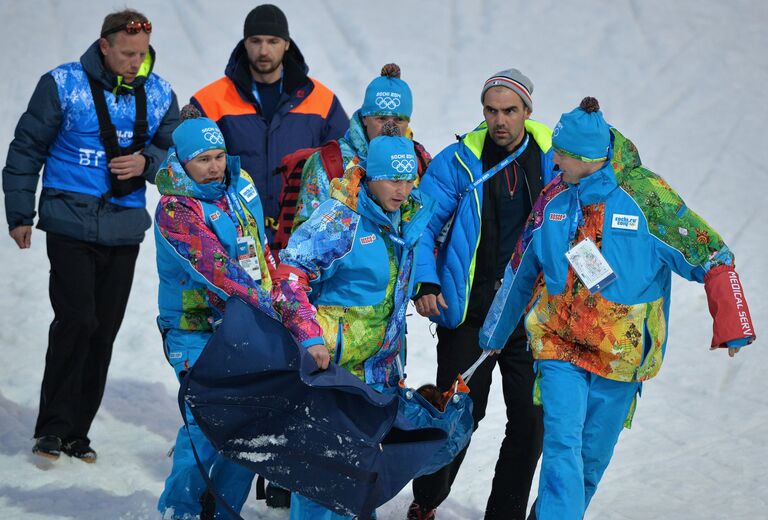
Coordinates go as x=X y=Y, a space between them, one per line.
x=374 y=124
x=390 y=194
x=265 y=53
x=125 y=54
x=574 y=170
x=505 y=113
x=207 y=167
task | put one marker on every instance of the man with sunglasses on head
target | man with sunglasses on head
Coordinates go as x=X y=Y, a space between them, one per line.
x=100 y=127
x=268 y=107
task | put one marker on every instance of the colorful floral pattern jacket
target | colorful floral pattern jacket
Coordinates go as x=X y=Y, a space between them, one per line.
x=645 y=232
x=196 y=232
x=345 y=278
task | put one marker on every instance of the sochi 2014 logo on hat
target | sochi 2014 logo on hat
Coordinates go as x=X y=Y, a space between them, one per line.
x=403 y=162
x=388 y=100
x=557 y=128
x=213 y=135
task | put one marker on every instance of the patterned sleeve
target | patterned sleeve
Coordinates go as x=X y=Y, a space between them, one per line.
x=688 y=245
x=311 y=257
x=184 y=232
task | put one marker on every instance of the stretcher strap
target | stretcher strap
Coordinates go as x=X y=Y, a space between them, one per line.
x=471 y=370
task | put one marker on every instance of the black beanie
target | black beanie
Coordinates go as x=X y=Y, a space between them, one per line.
x=266 y=19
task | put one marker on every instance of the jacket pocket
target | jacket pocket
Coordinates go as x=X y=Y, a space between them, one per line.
x=70 y=214
x=122 y=226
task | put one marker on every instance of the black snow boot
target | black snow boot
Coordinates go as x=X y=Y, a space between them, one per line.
x=48 y=446
x=80 y=449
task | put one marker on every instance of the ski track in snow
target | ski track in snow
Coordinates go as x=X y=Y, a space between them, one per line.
x=684 y=80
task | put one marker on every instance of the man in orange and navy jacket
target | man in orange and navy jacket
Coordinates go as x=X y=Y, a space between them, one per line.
x=267 y=106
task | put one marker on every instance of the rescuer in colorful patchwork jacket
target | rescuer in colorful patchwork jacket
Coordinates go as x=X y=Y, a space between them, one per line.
x=267 y=106
x=210 y=245
x=597 y=254
x=92 y=209
x=344 y=280
x=387 y=98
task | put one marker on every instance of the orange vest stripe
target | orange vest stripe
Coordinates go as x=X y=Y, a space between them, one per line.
x=318 y=102
x=221 y=98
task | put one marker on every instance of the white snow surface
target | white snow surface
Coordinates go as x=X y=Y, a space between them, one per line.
x=684 y=80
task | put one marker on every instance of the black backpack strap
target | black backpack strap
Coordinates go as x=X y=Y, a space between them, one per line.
x=108 y=135
x=141 y=125
x=107 y=130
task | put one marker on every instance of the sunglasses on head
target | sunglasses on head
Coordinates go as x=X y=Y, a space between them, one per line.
x=132 y=27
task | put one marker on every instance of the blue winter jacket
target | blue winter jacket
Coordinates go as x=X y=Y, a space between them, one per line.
x=645 y=232
x=196 y=231
x=307 y=115
x=61 y=130
x=345 y=281
x=452 y=265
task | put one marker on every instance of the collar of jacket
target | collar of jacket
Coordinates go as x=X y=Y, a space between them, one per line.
x=596 y=187
x=414 y=213
x=473 y=141
x=172 y=179
x=295 y=71
x=355 y=137
x=92 y=62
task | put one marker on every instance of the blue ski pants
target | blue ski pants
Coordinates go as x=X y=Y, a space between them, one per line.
x=185 y=485
x=583 y=417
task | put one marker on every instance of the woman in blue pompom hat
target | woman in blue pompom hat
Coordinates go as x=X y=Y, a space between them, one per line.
x=211 y=245
x=344 y=279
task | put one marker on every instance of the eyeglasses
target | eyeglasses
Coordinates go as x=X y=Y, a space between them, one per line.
x=132 y=27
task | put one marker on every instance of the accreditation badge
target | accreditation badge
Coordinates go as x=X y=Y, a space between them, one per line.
x=247 y=257
x=590 y=266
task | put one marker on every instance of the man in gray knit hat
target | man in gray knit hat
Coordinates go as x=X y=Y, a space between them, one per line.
x=504 y=163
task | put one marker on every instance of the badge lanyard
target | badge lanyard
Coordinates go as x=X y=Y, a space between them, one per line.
x=443 y=235
x=503 y=164
x=239 y=217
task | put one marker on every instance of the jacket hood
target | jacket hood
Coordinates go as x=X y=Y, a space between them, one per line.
x=93 y=64
x=472 y=142
x=355 y=138
x=624 y=155
x=295 y=70
x=172 y=179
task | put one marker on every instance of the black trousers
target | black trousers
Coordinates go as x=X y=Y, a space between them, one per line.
x=89 y=288
x=457 y=349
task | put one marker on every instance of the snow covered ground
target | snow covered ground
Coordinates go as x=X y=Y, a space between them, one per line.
x=685 y=80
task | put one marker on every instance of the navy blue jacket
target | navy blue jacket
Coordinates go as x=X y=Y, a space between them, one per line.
x=307 y=115
x=60 y=129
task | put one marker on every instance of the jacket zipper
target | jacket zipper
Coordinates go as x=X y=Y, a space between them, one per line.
x=339 y=340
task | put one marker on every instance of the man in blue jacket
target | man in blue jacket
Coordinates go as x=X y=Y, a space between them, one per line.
x=267 y=106
x=101 y=127
x=476 y=225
